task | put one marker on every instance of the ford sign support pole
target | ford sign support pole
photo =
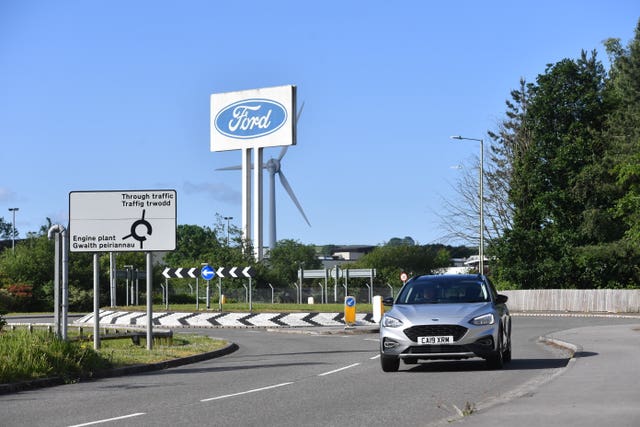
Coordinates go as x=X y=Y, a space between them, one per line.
x=246 y=194
x=257 y=209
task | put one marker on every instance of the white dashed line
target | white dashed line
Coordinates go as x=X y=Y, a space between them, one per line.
x=246 y=392
x=107 y=420
x=338 y=370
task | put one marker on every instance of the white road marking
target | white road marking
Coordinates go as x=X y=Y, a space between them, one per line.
x=246 y=392
x=107 y=420
x=377 y=356
x=338 y=370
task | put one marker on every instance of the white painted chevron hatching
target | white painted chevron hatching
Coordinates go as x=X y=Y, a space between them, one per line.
x=216 y=319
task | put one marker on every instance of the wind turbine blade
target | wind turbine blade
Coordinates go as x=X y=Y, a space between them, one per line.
x=238 y=167
x=283 y=152
x=230 y=168
x=299 y=113
x=287 y=187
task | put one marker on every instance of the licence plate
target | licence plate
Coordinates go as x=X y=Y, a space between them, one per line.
x=447 y=339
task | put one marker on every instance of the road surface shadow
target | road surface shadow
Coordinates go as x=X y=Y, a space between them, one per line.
x=480 y=365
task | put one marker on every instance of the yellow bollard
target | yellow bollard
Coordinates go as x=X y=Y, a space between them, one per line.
x=350 y=310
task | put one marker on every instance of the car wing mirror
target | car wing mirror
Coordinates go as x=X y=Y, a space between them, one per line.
x=388 y=301
x=502 y=299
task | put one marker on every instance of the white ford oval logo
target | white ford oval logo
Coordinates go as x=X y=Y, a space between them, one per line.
x=250 y=118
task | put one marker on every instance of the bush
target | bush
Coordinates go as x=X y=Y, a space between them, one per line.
x=39 y=354
x=182 y=299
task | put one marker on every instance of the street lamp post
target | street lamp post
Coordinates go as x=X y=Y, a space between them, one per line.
x=228 y=218
x=481 y=191
x=13 y=229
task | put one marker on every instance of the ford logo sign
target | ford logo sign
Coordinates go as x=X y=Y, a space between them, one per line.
x=250 y=118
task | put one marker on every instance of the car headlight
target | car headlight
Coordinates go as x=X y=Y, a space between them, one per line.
x=485 y=319
x=391 y=322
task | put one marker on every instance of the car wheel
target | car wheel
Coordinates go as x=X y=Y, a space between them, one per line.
x=506 y=355
x=389 y=364
x=496 y=360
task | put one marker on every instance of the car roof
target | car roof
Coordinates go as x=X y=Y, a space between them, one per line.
x=447 y=277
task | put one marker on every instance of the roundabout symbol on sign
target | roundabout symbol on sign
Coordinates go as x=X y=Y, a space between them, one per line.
x=134 y=232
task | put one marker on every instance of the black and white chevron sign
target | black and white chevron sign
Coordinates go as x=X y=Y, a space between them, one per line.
x=235 y=272
x=181 y=273
x=223 y=272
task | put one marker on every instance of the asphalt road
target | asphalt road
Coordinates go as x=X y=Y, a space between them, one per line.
x=294 y=379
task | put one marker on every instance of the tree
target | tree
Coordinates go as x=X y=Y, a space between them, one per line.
x=624 y=131
x=31 y=265
x=286 y=259
x=192 y=241
x=391 y=260
x=406 y=241
x=461 y=216
x=5 y=229
x=511 y=140
x=558 y=188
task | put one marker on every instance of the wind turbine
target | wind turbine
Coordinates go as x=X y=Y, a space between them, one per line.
x=274 y=167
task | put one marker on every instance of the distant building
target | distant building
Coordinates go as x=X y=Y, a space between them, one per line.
x=345 y=254
x=352 y=252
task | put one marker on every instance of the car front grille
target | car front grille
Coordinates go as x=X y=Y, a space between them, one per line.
x=435 y=349
x=414 y=332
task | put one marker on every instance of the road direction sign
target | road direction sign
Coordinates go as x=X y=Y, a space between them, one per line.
x=122 y=221
x=207 y=272
x=131 y=274
x=360 y=272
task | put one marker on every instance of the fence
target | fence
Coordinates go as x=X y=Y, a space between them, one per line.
x=295 y=295
x=575 y=300
x=532 y=300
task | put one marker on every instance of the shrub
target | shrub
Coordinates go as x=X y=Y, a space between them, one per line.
x=39 y=354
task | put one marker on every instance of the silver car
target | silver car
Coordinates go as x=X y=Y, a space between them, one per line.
x=450 y=316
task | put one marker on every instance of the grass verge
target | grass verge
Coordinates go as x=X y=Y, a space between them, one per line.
x=26 y=355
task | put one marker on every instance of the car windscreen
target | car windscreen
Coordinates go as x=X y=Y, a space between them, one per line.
x=443 y=292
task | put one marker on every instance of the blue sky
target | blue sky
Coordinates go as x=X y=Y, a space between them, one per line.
x=114 y=95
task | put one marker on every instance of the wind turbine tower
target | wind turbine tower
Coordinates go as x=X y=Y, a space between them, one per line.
x=274 y=167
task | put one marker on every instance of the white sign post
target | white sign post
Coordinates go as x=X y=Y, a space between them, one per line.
x=122 y=221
